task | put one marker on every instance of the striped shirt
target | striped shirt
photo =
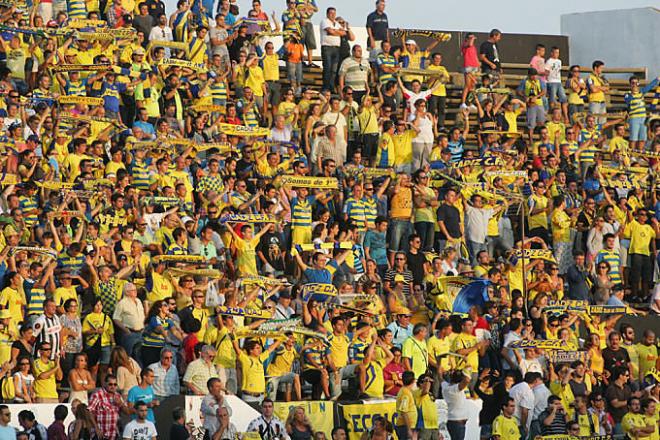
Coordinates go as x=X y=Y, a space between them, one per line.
x=47 y=329
x=355 y=73
x=385 y=60
x=355 y=211
x=635 y=101
x=612 y=258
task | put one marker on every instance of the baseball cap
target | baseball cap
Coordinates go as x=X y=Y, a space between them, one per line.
x=138 y=51
x=411 y=41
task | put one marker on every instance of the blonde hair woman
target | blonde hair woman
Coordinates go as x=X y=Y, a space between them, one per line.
x=298 y=425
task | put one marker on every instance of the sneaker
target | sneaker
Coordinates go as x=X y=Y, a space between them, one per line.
x=313 y=66
x=473 y=108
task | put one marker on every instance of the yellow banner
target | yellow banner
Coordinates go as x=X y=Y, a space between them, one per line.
x=318 y=292
x=244 y=311
x=607 y=310
x=311 y=182
x=81 y=67
x=320 y=413
x=358 y=418
x=541 y=254
x=506 y=173
x=248 y=218
x=566 y=305
x=179 y=258
x=209 y=108
x=436 y=35
x=79 y=23
x=545 y=344
x=168 y=62
x=179 y=45
x=242 y=130
x=74 y=99
x=488 y=161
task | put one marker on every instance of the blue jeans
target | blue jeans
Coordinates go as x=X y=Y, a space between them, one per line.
x=425 y=230
x=596 y=108
x=556 y=92
x=474 y=248
x=456 y=430
x=399 y=232
x=330 y=59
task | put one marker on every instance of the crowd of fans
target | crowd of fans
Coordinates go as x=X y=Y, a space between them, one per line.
x=173 y=204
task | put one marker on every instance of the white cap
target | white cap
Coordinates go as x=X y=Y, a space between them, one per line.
x=187 y=219
x=411 y=41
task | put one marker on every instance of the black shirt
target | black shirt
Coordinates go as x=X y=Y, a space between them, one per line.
x=236 y=46
x=156 y=7
x=378 y=24
x=416 y=265
x=615 y=358
x=270 y=245
x=179 y=432
x=452 y=219
x=492 y=54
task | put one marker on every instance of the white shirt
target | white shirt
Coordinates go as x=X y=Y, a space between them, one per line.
x=338 y=120
x=510 y=338
x=476 y=223
x=456 y=399
x=411 y=99
x=541 y=394
x=135 y=430
x=654 y=298
x=523 y=396
x=161 y=34
x=553 y=66
x=326 y=39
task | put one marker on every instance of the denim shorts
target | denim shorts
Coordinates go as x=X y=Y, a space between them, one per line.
x=637 y=129
x=535 y=116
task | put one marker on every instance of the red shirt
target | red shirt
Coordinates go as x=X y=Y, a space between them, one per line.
x=390 y=371
x=470 y=58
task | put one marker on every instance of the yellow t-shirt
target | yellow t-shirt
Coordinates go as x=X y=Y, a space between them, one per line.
x=565 y=393
x=403 y=147
x=553 y=127
x=539 y=220
x=219 y=338
x=62 y=294
x=13 y=300
x=631 y=421
x=368 y=119
x=652 y=421
x=561 y=226
x=255 y=80
x=338 y=350
x=640 y=237
x=283 y=361
x=162 y=288
x=585 y=424
x=5 y=346
x=418 y=354
x=374 y=385
x=427 y=412
x=442 y=90
x=437 y=348
x=506 y=428
x=254 y=380
x=463 y=341
x=271 y=67
x=246 y=256
x=648 y=355
x=95 y=321
x=405 y=404
x=44 y=388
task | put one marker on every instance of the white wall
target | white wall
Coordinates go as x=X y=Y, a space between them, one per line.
x=620 y=38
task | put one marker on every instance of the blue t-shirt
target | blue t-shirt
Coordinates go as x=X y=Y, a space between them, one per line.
x=377 y=244
x=146 y=395
x=322 y=276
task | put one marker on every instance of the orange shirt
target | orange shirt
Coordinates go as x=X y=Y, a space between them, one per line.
x=294 y=52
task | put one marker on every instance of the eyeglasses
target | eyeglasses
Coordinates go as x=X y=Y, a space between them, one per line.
x=368 y=189
x=112 y=384
x=24 y=363
x=46 y=349
x=167 y=357
x=400 y=259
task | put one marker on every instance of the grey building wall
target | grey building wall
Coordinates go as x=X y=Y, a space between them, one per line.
x=621 y=38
